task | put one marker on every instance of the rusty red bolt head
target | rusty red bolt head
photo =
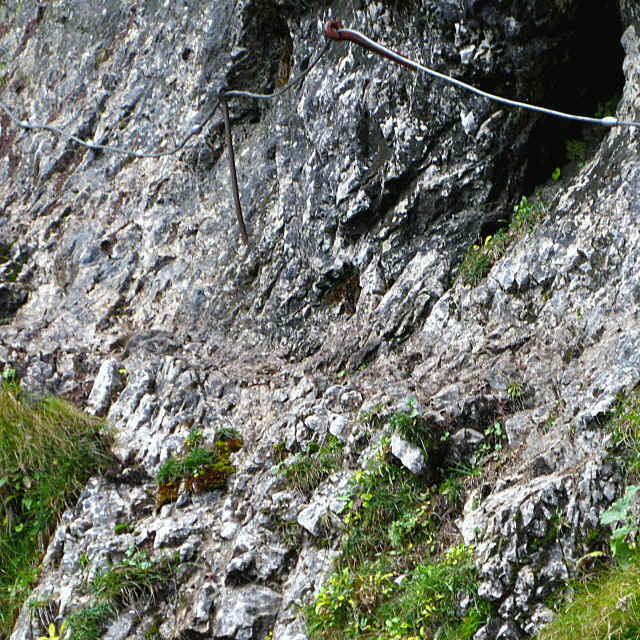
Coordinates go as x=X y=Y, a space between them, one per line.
x=331 y=29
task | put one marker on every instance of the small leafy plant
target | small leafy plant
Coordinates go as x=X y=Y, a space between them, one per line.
x=477 y=262
x=53 y=633
x=625 y=532
x=378 y=497
x=493 y=439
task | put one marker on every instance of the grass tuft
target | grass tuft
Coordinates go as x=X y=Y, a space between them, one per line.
x=90 y=623
x=135 y=578
x=605 y=609
x=310 y=468
x=135 y=582
x=48 y=450
x=479 y=258
x=414 y=427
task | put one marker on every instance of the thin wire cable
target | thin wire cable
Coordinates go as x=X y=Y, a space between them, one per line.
x=334 y=31
x=194 y=131
x=106 y=147
x=291 y=83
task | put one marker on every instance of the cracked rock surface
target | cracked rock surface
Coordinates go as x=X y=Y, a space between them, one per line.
x=124 y=286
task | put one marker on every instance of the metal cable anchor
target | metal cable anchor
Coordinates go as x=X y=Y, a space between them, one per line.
x=232 y=166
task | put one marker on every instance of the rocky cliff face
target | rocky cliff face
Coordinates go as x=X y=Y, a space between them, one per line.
x=363 y=188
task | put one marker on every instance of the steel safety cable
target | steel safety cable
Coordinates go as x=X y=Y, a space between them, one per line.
x=106 y=147
x=159 y=153
x=335 y=31
x=237 y=93
x=221 y=101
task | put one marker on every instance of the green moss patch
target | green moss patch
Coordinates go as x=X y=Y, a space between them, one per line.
x=201 y=468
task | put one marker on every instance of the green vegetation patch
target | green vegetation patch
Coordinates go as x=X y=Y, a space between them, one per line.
x=607 y=608
x=414 y=428
x=201 y=468
x=368 y=602
x=90 y=622
x=479 y=259
x=133 y=579
x=310 y=468
x=135 y=582
x=394 y=579
x=48 y=450
x=387 y=507
x=624 y=424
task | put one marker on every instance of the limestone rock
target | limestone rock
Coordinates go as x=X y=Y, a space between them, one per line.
x=408 y=453
x=363 y=189
x=246 y=613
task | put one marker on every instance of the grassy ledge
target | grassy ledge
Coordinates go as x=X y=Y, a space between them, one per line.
x=48 y=450
x=606 y=606
x=397 y=577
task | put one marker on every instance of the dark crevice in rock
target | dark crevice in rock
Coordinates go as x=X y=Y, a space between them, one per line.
x=264 y=30
x=340 y=287
x=587 y=73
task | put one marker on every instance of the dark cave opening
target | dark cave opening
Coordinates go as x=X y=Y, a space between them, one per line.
x=585 y=78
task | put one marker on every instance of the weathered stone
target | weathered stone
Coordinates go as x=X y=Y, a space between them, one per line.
x=205 y=603
x=338 y=427
x=246 y=613
x=316 y=519
x=120 y=628
x=409 y=454
x=107 y=384
x=362 y=193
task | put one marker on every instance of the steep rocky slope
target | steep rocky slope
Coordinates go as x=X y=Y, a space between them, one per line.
x=363 y=189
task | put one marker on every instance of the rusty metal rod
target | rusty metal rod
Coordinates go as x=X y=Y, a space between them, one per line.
x=232 y=168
